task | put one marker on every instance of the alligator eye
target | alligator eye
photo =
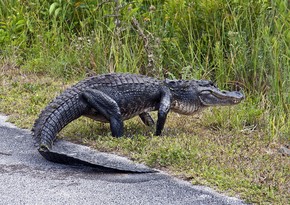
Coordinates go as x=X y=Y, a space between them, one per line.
x=206 y=83
x=212 y=84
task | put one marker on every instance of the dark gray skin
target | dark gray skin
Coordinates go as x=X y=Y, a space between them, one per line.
x=114 y=98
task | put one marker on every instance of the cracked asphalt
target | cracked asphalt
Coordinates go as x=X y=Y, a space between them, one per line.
x=27 y=178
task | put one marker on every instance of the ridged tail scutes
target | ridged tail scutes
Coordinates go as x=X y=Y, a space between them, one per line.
x=60 y=112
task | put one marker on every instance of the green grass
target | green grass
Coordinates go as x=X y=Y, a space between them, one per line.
x=44 y=47
x=225 y=148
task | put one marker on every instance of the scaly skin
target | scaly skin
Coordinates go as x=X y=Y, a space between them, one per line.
x=129 y=89
x=114 y=98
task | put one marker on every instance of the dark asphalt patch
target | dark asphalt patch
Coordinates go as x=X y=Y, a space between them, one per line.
x=70 y=153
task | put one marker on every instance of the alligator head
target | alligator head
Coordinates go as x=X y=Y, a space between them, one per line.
x=190 y=96
x=210 y=95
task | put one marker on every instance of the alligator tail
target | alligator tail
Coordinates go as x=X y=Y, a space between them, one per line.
x=60 y=112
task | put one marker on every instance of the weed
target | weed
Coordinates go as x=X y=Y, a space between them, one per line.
x=242 y=45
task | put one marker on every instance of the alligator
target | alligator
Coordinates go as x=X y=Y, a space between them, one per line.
x=116 y=97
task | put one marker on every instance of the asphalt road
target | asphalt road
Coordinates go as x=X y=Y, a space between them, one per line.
x=27 y=178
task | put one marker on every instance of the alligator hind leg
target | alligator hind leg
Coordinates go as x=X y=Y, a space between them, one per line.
x=146 y=119
x=107 y=107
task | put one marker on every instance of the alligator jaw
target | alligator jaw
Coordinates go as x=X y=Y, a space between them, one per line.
x=215 y=97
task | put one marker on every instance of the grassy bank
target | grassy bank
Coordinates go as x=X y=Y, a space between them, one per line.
x=225 y=148
x=44 y=47
x=237 y=44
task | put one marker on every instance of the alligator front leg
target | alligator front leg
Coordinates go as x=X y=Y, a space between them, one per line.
x=146 y=119
x=163 y=110
x=107 y=107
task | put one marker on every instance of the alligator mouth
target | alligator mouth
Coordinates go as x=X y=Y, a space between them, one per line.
x=216 y=97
